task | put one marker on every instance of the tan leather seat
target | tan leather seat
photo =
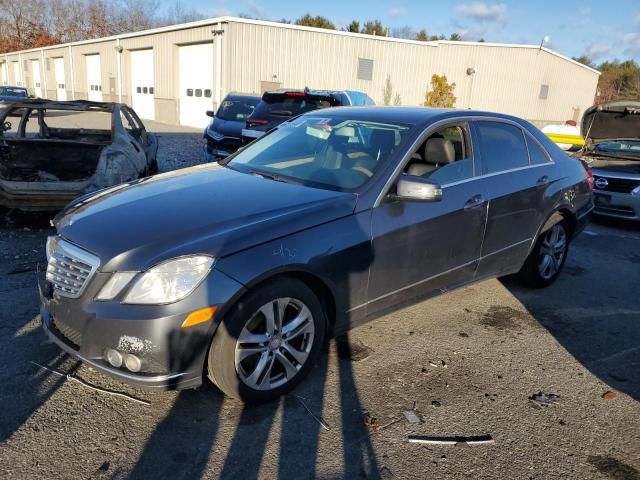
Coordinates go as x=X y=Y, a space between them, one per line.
x=437 y=152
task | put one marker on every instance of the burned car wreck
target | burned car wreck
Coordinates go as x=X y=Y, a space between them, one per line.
x=52 y=152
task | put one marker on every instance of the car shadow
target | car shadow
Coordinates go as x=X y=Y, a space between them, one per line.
x=603 y=334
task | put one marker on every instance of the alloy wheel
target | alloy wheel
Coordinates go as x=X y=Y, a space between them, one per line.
x=274 y=344
x=552 y=251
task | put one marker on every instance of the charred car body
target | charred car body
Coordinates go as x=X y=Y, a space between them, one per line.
x=53 y=152
x=612 y=134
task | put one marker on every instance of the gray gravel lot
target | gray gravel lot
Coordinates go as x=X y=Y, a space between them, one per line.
x=465 y=362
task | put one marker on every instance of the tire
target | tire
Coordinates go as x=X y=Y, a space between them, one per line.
x=153 y=167
x=545 y=262
x=254 y=360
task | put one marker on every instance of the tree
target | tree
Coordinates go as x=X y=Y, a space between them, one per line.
x=433 y=38
x=397 y=100
x=353 y=27
x=619 y=80
x=481 y=40
x=455 y=37
x=318 y=21
x=374 y=27
x=403 y=32
x=387 y=91
x=441 y=93
x=583 y=59
x=422 y=36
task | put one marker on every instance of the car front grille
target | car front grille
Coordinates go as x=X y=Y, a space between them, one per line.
x=68 y=334
x=69 y=268
x=619 y=185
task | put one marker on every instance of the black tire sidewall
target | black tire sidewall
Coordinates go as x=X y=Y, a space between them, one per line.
x=221 y=364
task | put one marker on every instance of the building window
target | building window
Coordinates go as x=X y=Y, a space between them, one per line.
x=544 y=92
x=365 y=69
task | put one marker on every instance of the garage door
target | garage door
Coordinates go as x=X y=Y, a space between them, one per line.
x=37 y=86
x=196 y=84
x=17 y=78
x=94 y=78
x=142 y=91
x=61 y=87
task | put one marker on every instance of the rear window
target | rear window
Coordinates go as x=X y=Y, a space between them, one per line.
x=502 y=147
x=13 y=92
x=236 y=108
x=284 y=106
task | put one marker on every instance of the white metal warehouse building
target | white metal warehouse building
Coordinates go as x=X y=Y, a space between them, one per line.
x=174 y=74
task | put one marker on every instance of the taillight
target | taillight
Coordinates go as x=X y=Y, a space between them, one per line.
x=256 y=121
x=295 y=94
x=590 y=181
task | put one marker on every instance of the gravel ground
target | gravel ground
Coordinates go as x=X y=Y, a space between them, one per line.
x=465 y=363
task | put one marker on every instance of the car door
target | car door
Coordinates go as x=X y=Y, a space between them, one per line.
x=421 y=247
x=516 y=188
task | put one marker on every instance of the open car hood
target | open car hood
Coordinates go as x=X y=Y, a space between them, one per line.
x=611 y=121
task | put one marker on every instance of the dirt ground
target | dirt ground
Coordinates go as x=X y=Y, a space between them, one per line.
x=465 y=364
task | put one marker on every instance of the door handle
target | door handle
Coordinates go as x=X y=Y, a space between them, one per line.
x=474 y=202
x=542 y=181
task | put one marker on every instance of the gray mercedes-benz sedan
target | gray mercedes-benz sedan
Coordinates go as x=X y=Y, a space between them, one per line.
x=240 y=272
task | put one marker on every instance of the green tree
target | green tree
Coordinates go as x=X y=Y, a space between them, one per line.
x=353 y=27
x=441 y=93
x=374 y=27
x=433 y=38
x=619 y=81
x=318 y=21
x=455 y=37
x=481 y=40
x=422 y=36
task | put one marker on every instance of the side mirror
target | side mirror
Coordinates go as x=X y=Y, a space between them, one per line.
x=410 y=187
x=210 y=113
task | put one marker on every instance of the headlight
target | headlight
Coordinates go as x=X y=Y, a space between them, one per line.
x=170 y=281
x=114 y=285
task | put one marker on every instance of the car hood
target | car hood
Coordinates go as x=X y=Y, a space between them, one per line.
x=205 y=209
x=610 y=121
x=228 y=128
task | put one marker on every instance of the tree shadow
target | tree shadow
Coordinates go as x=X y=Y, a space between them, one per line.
x=181 y=445
x=593 y=308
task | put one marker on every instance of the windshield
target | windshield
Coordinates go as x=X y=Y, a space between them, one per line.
x=327 y=152
x=619 y=147
x=13 y=92
x=237 y=108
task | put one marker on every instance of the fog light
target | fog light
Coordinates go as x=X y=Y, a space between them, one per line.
x=114 y=357
x=132 y=362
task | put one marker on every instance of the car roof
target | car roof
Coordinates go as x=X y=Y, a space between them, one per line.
x=77 y=105
x=13 y=86
x=413 y=115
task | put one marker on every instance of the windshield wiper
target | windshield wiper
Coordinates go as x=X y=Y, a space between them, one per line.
x=274 y=176
x=614 y=155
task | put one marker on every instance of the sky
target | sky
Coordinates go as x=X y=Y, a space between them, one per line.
x=603 y=30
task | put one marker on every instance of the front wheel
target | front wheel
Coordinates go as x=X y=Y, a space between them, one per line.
x=547 y=258
x=268 y=342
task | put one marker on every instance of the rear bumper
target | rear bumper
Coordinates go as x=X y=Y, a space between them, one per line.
x=36 y=201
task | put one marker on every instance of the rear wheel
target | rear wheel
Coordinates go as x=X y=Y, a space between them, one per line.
x=268 y=342
x=547 y=258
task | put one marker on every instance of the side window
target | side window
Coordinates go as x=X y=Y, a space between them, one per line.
x=537 y=154
x=444 y=157
x=11 y=128
x=502 y=147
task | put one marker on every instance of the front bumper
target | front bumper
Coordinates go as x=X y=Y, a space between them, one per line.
x=173 y=358
x=617 y=205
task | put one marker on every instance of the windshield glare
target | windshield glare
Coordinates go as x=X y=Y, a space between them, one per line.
x=333 y=153
x=619 y=147
x=236 y=109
